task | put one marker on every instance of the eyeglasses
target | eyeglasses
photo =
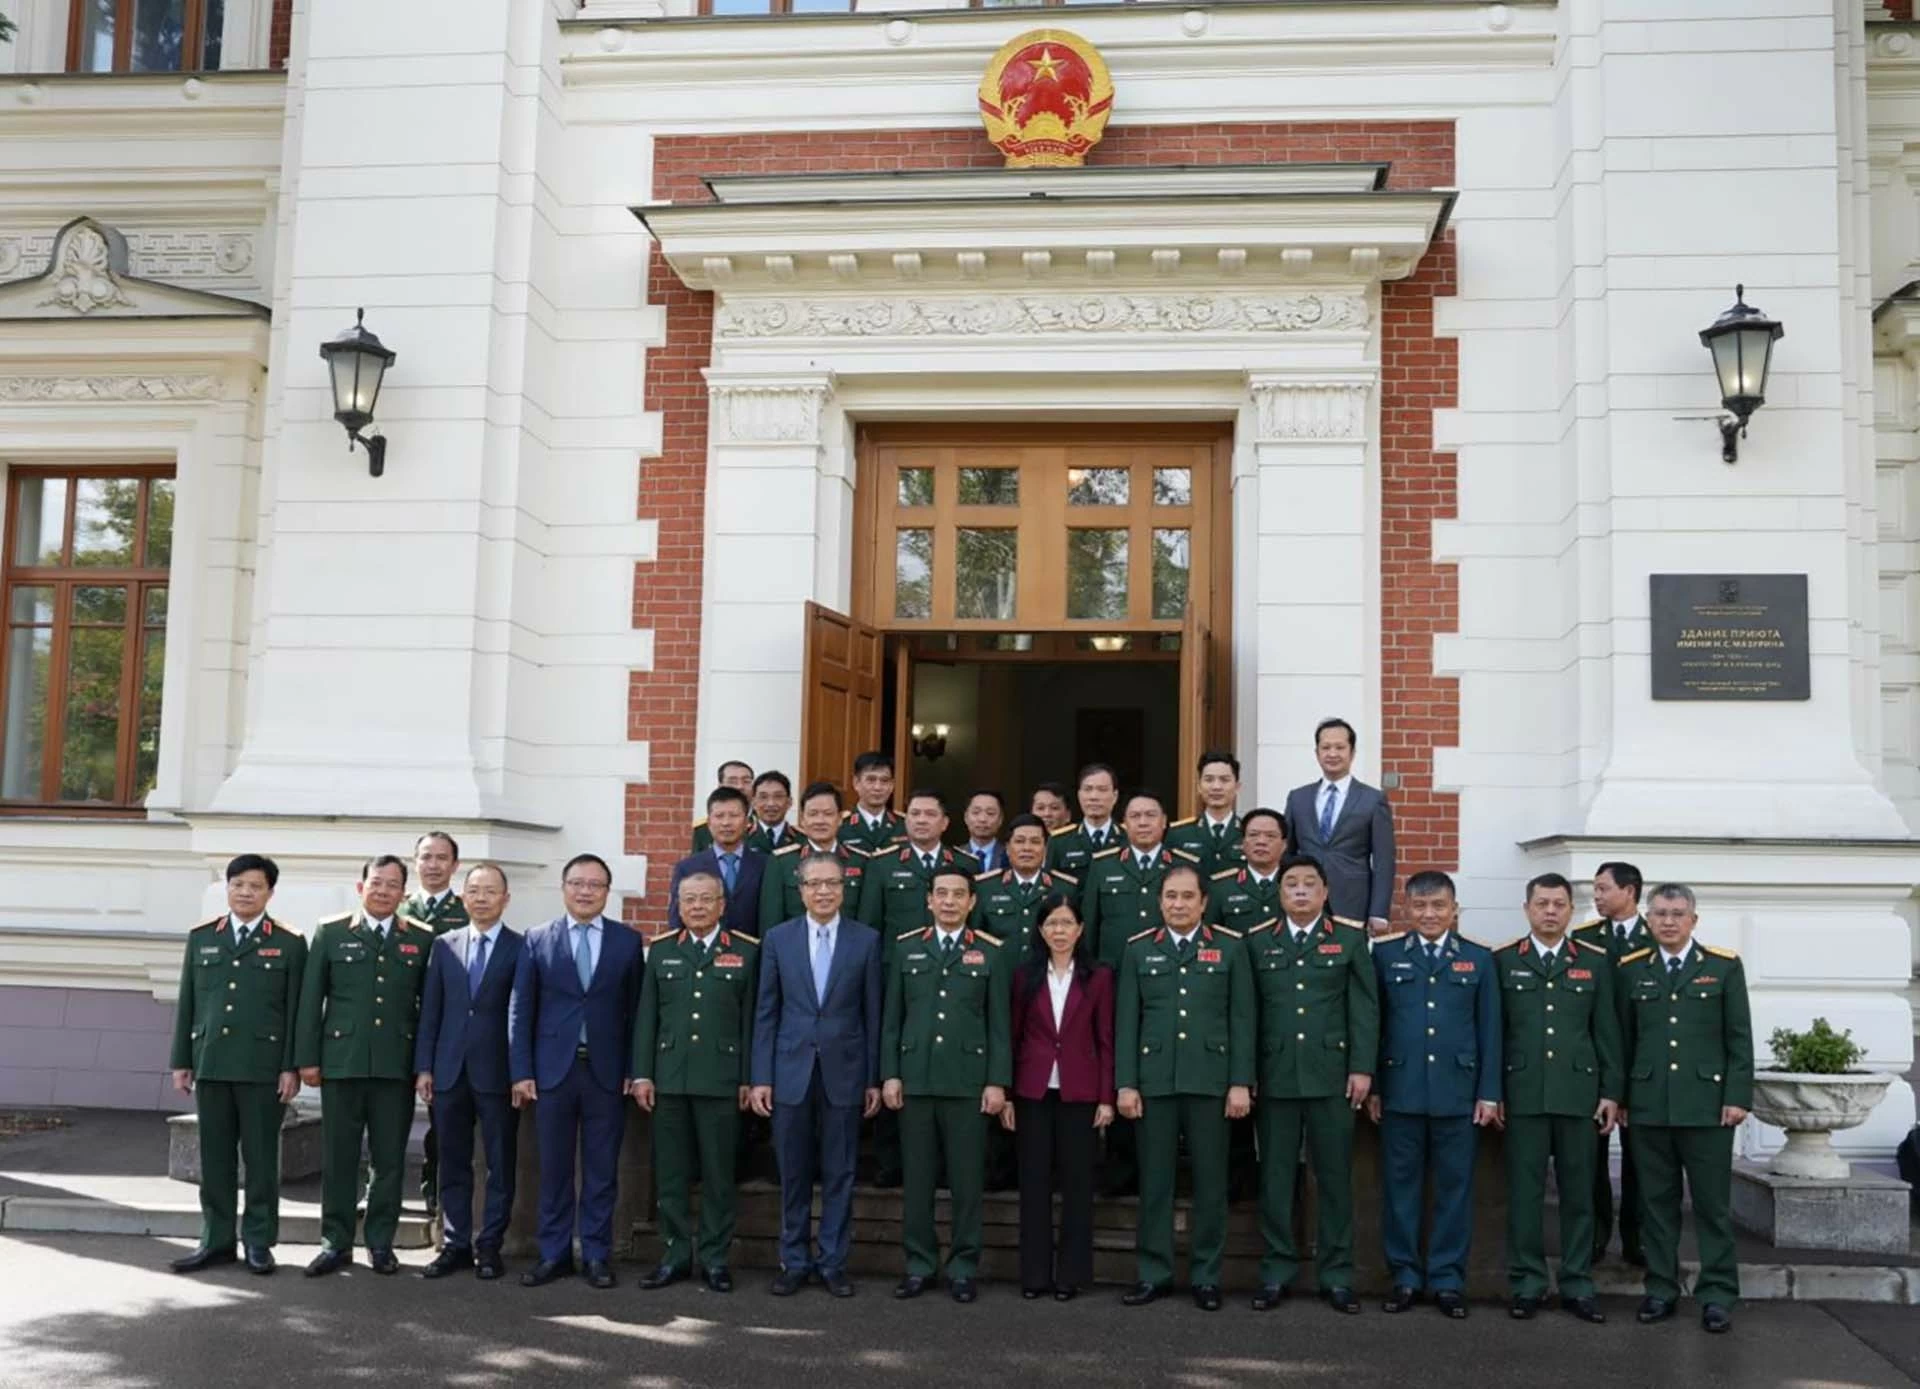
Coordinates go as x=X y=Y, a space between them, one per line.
x=585 y=884
x=812 y=883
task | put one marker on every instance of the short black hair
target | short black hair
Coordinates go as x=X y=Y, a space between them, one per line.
x=777 y=778
x=998 y=799
x=927 y=793
x=1266 y=811
x=1624 y=875
x=254 y=863
x=724 y=795
x=873 y=762
x=1052 y=788
x=1353 y=739
x=721 y=775
x=950 y=870
x=452 y=843
x=1142 y=793
x=1024 y=820
x=1547 y=880
x=594 y=859
x=1094 y=769
x=379 y=861
x=489 y=866
x=1301 y=861
x=1180 y=866
x=1213 y=755
x=1429 y=881
x=822 y=788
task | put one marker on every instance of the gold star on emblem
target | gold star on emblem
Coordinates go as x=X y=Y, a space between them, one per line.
x=1046 y=65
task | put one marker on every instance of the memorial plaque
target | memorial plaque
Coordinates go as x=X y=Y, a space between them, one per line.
x=1729 y=636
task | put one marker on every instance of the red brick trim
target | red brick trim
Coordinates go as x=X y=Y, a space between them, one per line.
x=1419 y=374
x=280 y=36
x=1900 y=9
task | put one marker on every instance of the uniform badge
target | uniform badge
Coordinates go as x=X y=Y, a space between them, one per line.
x=409 y=950
x=974 y=957
x=1333 y=949
x=1706 y=979
x=264 y=953
x=1207 y=957
x=729 y=961
x=1463 y=966
x=1579 y=974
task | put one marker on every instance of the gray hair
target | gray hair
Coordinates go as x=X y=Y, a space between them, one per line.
x=1676 y=891
x=703 y=877
x=810 y=857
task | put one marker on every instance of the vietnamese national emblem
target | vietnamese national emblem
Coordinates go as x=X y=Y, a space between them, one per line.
x=1045 y=99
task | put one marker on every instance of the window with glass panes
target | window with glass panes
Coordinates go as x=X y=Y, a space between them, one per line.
x=145 y=35
x=85 y=594
x=1036 y=534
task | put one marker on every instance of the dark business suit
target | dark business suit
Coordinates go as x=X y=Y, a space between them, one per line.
x=1054 y=1125
x=463 y=1044
x=1358 y=855
x=743 y=902
x=992 y=859
x=821 y=1055
x=581 y=1084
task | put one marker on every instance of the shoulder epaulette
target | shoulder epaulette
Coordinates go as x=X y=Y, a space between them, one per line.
x=1266 y=925
x=336 y=918
x=1589 y=925
x=1186 y=854
x=1228 y=931
x=1066 y=877
x=1141 y=935
x=1060 y=830
x=701 y=823
x=1640 y=954
x=786 y=849
x=846 y=817
x=1179 y=824
x=859 y=849
x=750 y=940
x=1107 y=853
x=1595 y=946
x=989 y=873
x=1510 y=944
x=1349 y=921
x=917 y=930
x=989 y=937
x=414 y=922
x=210 y=925
x=1225 y=873
x=1390 y=939
x=1721 y=951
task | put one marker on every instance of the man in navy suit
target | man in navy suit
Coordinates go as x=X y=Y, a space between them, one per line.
x=726 y=859
x=1348 y=826
x=816 y=1068
x=463 y=1073
x=570 y=1036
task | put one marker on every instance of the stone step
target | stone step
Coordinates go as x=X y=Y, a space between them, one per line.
x=172 y=1220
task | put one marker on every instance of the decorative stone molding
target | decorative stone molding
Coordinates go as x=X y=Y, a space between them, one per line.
x=88 y=260
x=1029 y=315
x=1310 y=411
x=766 y=412
x=37 y=389
x=215 y=256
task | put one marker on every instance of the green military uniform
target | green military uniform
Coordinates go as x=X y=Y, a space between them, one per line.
x=1603 y=933
x=780 y=883
x=702 y=837
x=233 y=1028
x=1119 y=898
x=1004 y=906
x=758 y=841
x=1183 y=1034
x=444 y=914
x=1689 y=1041
x=1319 y=1005
x=884 y=833
x=1071 y=847
x=894 y=888
x=1563 y=1056
x=359 y=1011
x=693 y=1038
x=945 y=1036
x=1237 y=897
x=1213 y=846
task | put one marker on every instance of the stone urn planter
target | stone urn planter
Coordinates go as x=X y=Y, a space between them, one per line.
x=1810 y=1108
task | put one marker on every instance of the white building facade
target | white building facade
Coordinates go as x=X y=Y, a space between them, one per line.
x=663 y=285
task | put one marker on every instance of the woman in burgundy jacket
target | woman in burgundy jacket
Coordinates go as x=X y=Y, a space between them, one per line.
x=1063 y=1095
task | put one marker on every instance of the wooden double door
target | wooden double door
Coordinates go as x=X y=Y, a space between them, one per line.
x=1031 y=544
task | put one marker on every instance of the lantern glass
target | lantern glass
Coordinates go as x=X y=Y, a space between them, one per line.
x=1741 y=358
x=357 y=362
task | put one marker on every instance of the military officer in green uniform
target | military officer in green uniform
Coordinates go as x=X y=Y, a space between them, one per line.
x=1213 y=836
x=1689 y=1040
x=1621 y=929
x=434 y=904
x=1071 y=848
x=359 y=1011
x=946 y=1059
x=739 y=776
x=1564 y=1075
x=1183 y=1052
x=1244 y=895
x=233 y=1051
x=1319 y=1006
x=819 y=827
x=871 y=824
x=772 y=799
x=1120 y=895
x=691 y=1044
x=1004 y=901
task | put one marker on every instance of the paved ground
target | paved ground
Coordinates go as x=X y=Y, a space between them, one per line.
x=100 y=1311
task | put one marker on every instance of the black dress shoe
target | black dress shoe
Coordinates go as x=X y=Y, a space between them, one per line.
x=1400 y=1299
x=329 y=1261
x=259 y=1259
x=1066 y=1292
x=963 y=1290
x=788 y=1281
x=1032 y=1294
x=1270 y=1296
x=1451 y=1304
x=382 y=1262
x=1715 y=1318
x=1585 y=1308
x=448 y=1260
x=600 y=1274
x=1141 y=1294
x=1342 y=1300
x=1523 y=1308
x=718 y=1280
x=837 y=1283
x=1206 y=1296
x=1653 y=1309
x=202 y=1257
x=547 y=1271
x=911 y=1286
x=661 y=1277
x=487 y=1265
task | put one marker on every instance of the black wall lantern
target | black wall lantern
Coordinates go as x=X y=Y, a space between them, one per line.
x=358 y=362
x=1741 y=341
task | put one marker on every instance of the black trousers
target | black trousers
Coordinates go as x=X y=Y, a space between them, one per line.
x=1055 y=1147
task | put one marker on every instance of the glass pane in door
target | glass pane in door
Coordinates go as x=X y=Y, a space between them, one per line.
x=1097 y=574
x=985 y=562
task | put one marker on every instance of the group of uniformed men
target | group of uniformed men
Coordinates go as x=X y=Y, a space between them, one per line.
x=1243 y=993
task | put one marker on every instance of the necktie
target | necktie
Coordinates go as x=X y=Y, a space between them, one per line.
x=950 y=948
x=1186 y=949
x=1329 y=811
x=822 y=961
x=1625 y=931
x=1546 y=961
x=729 y=868
x=1673 y=969
x=477 y=966
x=582 y=956
x=1299 y=938
x=1219 y=833
x=926 y=862
x=239 y=935
x=1433 y=954
x=1099 y=838
x=1146 y=863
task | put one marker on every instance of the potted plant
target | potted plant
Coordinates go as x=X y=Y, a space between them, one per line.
x=1817 y=1086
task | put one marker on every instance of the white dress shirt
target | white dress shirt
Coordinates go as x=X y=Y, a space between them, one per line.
x=383 y=925
x=1327 y=788
x=1058 y=987
x=242 y=929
